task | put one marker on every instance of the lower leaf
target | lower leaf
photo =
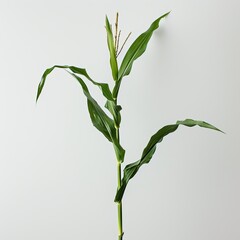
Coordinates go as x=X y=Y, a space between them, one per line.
x=148 y=152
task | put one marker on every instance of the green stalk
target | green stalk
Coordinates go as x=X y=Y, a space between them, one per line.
x=119 y=177
x=119 y=204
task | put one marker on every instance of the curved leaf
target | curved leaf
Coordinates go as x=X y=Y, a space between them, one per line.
x=131 y=169
x=99 y=118
x=81 y=71
x=101 y=121
x=112 y=51
x=192 y=123
x=137 y=48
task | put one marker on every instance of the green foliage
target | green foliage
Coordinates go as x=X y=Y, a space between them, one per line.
x=81 y=71
x=99 y=118
x=131 y=169
x=109 y=126
x=138 y=48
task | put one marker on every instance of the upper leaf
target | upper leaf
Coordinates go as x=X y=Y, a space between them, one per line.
x=131 y=169
x=81 y=71
x=137 y=48
x=112 y=51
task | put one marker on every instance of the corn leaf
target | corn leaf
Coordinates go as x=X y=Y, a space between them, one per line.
x=112 y=51
x=99 y=118
x=131 y=169
x=101 y=121
x=137 y=48
x=81 y=71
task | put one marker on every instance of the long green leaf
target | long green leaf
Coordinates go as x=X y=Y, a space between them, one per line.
x=112 y=51
x=99 y=118
x=131 y=169
x=101 y=121
x=137 y=48
x=81 y=71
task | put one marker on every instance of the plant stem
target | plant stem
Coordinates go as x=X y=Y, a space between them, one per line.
x=120 y=233
x=120 y=230
x=119 y=204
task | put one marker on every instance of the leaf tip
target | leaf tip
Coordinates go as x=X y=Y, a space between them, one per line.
x=107 y=21
x=221 y=131
x=36 y=100
x=38 y=93
x=166 y=14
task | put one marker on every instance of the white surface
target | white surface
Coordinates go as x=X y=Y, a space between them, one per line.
x=57 y=173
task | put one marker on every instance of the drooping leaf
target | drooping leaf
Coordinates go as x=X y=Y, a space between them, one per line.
x=112 y=50
x=131 y=169
x=81 y=71
x=101 y=121
x=137 y=48
x=99 y=118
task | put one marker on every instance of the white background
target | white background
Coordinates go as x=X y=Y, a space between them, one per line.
x=57 y=173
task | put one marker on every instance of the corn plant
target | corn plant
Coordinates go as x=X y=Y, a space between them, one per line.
x=108 y=120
